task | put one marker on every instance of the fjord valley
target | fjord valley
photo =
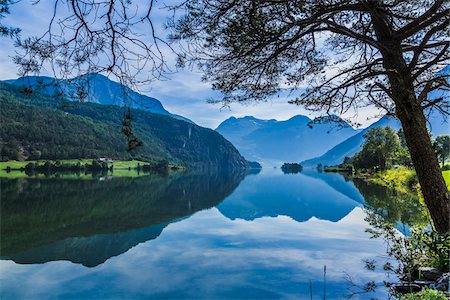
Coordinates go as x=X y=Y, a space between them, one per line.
x=212 y=211
x=216 y=149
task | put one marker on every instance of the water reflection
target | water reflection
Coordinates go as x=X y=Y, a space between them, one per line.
x=298 y=196
x=402 y=209
x=89 y=221
x=187 y=236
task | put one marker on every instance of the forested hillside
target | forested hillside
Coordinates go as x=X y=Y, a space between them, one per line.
x=44 y=127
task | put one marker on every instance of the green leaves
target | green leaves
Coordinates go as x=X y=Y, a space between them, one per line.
x=380 y=150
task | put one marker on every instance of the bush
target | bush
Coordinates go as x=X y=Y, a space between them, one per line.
x=426 y=294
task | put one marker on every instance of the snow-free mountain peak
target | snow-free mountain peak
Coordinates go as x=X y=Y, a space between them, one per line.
x=97 y=88
x=292 y=140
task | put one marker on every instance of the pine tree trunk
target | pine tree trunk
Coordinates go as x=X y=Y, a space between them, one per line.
x=410 y=113
x=423 y=156
x=426 y=164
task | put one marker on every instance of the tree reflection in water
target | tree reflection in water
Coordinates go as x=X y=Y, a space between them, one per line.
x=89 y=221
x=404 y=224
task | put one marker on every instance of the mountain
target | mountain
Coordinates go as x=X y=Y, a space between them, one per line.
x=96 y=88
x=40 y=126
x=293 y=140
x=349 y=147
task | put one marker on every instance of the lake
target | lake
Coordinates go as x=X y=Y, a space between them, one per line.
x=215 y=236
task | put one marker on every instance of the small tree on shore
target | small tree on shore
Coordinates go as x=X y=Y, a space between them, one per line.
x=379 y=149
x=443 y=147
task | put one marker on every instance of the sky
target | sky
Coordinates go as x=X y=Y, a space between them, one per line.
x=181 y=93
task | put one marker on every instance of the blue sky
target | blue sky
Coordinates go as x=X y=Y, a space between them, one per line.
x=182 y=93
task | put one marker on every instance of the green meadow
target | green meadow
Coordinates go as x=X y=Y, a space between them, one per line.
x=120 y=168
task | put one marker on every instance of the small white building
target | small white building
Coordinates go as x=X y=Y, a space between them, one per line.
x=106 y=159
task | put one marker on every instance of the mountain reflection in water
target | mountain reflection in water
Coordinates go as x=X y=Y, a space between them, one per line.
x=265 y=235
x=89 y=221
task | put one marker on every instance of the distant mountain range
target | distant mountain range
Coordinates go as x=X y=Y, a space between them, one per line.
x=348 y=147
x=301 y=139
x=293 y=140
x=94 y=88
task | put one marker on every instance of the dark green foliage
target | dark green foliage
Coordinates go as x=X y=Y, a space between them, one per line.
x=379 y=150
x=293 y=168
x=345 y=167
x=45 y=127
x=342 y=168
x=426 y=294
x=10 y=150
x=29 y=131
x=51 y=168
x=442 y=145
x=127 y=130
x=423 y=248
x=162 y=167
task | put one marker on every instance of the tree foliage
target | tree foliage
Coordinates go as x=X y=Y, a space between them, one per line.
x=253 y=49
x=85 y=37
x=379 y=150
x=442 y=145
x=6 y=31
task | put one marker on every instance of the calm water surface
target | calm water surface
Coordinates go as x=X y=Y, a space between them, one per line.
x=266 y=235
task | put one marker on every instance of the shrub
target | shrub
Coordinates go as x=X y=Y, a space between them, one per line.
x=426 y=294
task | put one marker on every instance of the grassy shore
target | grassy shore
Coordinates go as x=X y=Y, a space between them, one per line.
x=447 y=178
x=403 y=179
x=120 y=168
x=338 y=170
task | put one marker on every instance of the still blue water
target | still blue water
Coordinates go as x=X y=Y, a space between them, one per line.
x=260 y=236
